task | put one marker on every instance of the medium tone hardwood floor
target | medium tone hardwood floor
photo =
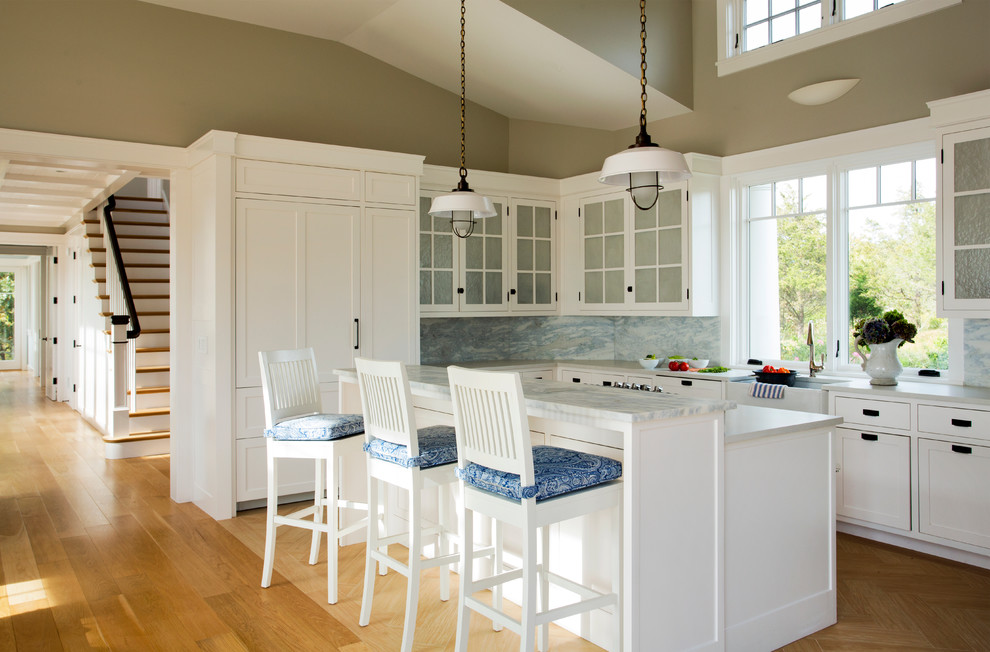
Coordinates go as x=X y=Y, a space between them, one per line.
x=94 y=555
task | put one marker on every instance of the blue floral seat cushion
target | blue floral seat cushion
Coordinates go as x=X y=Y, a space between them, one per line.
x=557 y=471
x=437 y=446
x=317 y=427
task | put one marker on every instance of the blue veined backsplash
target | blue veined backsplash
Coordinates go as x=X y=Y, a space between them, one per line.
x=976 y=352
x=469 y=339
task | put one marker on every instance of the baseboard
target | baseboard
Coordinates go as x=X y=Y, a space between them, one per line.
x=917 y=545
x=777 y=628
x=119 y=450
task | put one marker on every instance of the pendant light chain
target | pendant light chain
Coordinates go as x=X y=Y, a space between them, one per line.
x=642 y=64
x=463 y=170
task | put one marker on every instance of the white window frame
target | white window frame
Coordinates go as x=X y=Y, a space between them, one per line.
x=730 y=27
x=836 y=258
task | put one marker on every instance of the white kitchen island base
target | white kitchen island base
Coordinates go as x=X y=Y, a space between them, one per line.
x=680 y=591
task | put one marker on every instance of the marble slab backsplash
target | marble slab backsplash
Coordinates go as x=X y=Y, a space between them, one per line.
x=469 y=339
x=976 y=352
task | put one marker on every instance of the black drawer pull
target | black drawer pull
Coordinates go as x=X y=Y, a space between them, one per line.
x=965 y=450
x=868 y=437
x=962 y=423
x=575 y=380
x=687 y=383
x=606 y=383
x=871 y=413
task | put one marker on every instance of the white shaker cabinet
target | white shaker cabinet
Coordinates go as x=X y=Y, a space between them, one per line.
x=297 y=283
x=874 y=481
x=953 y=486
x=963 y=205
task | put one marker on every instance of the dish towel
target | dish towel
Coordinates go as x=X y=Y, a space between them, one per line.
x=767 y=390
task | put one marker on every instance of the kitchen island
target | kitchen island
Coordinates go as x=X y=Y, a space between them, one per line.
x=694 y=576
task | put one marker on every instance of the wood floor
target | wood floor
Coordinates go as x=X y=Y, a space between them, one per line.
x=94 y=555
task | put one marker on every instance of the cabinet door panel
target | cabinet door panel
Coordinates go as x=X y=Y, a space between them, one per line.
x=954 y=491
x=388 y=306
x=874 y=482
x=532 y=256
x=332 y=285
x=485 y=263
x=296 y=283
x=265 y=284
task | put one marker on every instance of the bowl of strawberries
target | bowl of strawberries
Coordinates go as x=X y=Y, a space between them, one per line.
x=776 y=375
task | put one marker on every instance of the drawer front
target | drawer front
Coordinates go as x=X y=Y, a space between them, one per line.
x=874 y=481
x=959 y=422
x=585 y=447
x=954 y=491
x=883 y=414
x=690 y=387
x=537 y=374
x=269 y=178
x=390 y=188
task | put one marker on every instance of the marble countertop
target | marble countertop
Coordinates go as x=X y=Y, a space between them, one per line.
x=909 y=390
x=605 y=366
x=556 y=400
x=752 y=422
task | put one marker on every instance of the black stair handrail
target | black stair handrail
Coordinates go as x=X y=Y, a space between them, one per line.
x=118 y=260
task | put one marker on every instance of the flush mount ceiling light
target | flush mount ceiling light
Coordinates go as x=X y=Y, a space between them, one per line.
x=644 y=167
x=822 y=92
x=461 y=205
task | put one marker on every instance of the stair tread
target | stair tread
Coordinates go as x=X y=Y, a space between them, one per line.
x=136 y=265
x=128 y=209
x=151 y=369
x=146 y=313
x=136 y=280
x=150 y=412
x=162 y=389
x=136 y=198
x=106 y=297
x=151 y=349
x=129 y=250
x=139 y=436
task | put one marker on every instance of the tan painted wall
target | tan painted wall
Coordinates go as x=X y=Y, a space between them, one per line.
x=176 y=75
x=173 y=75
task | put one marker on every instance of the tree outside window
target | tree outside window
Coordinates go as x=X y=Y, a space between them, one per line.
x=6 y=315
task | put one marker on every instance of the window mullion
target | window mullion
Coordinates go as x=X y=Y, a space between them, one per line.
x=837 y=265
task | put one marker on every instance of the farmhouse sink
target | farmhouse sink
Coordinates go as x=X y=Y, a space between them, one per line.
x=807 y=394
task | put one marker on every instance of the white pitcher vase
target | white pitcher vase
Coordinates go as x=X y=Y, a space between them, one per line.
x=881 y=364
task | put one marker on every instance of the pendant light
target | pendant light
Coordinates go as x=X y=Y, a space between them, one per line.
x=461 y=205
x=644 y=167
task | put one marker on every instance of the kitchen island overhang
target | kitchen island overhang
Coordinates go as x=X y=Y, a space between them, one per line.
x=673 y=450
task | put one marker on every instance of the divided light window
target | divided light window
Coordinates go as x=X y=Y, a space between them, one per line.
x=753 y=32
x=879 y=223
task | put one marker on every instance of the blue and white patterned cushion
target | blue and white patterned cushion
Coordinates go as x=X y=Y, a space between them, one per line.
x=437 y=446
x=317 y=427
x=557 y=471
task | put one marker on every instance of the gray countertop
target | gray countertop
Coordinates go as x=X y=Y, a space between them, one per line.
x=751 y=422
x=909 y=390
x=552 y=399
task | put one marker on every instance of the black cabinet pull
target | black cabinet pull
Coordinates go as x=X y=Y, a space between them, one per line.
x=962 y=423
x=512 y=291
x=357 y=334
x=606 y=383
x=868 y=437
x=965 y=450
x=628 y=288
x=687 y=383
x=460 y=290
x=575 y=380
x=871 y=413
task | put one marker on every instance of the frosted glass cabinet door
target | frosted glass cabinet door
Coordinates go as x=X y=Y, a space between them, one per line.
x=660 y=253
x=533 y=256
x=965 y=228
x=437 y=261
x=484 y=258
x=604 y=251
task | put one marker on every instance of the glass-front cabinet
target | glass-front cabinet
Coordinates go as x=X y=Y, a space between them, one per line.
x=635 y=259
x=506 y=265
x=965 y=227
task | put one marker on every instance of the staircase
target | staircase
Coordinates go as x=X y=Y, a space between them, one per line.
x=142 y=228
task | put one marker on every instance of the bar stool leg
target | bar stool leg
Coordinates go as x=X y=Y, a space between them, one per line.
x=314 y=548
x=369 y=562
x=383 y=524
x=333 y=481
x=497 y=567
x=415 y=552
x=530 y=582
x=467 y=578
x=443 y=542
x=266 y=573
x=544 y=635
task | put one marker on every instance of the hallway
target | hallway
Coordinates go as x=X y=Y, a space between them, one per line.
x=95 y=555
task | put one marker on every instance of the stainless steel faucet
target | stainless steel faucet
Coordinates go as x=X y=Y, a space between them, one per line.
x=812 y=367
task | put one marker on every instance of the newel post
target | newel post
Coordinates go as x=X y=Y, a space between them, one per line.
x=121 y=409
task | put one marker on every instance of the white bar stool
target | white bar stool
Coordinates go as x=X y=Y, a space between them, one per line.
x=400 y=455
x=530 y=487
x=296 y=427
